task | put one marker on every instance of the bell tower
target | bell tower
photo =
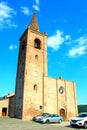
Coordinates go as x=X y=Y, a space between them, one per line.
x=32 y=67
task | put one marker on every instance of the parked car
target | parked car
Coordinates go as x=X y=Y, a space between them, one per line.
x=51 y=119
x=80 y=120
x=38 y=117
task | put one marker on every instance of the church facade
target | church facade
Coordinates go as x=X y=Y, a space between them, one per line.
x=36 y=92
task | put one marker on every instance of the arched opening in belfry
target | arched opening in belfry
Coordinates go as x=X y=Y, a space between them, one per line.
x=37 y=44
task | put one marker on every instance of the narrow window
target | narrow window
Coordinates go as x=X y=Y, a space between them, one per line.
x=35 y=87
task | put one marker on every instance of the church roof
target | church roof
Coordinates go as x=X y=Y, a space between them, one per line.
x=34 y=23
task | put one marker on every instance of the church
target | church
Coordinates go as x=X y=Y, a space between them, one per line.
x=35 y=91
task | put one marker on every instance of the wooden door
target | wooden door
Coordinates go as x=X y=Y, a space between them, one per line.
x=62 y=113
x=4 y=111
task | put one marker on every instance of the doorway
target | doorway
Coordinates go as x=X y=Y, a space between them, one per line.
x=4 y=111
x=62 y=113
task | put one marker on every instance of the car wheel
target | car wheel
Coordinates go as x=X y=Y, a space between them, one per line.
x=47 y=121
x=59 y=121
x=85 y=125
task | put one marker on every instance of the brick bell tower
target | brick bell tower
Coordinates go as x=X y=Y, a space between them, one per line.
x=32 y=67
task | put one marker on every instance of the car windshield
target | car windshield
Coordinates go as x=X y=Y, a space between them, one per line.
x=45 y=114
x=82 y=115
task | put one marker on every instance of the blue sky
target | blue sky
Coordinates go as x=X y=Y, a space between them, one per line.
x=65 y=22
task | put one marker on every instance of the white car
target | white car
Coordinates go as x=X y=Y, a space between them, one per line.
x=53 y=118
x=80 y=120
x=38 y=117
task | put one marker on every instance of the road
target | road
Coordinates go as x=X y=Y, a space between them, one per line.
x=7 y=123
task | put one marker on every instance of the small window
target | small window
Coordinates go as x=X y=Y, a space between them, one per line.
x=37 y=44
x=36 y=57
x=41 y=107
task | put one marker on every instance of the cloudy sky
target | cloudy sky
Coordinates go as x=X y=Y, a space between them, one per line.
x=65 y=22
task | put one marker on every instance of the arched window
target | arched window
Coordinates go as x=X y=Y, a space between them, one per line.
x=36 y=57
x=37 y=44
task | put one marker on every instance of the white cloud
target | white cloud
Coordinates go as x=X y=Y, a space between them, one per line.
x=56 y=40
x=36 y=7
x=25 y=10
x=12 y=47
x=37 y=2
x=80 y=47
x=82 y=40
x=67 y=37
x=77 y=51
x=6 y=15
